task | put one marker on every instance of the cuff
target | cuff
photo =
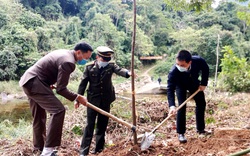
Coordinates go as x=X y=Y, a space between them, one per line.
x=76 y=98
x=172 y=107
x=127 y=75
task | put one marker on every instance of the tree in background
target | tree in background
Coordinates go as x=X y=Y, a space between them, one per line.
x=53 y=24
x=235 y=74
x=15 y=40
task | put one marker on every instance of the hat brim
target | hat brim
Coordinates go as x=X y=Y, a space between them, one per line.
x=106 y=54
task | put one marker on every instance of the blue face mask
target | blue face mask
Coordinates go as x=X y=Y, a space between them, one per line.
x=181 y=69
x=82 y=62
x=102 y=64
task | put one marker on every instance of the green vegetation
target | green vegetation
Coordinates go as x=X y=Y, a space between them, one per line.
x=235 y=71
x=164 y=66
x=190 y=115
x=210 y=120
x=10 y=87
x=77 y=129
x=222 y=105
x=163 y=28
x=10 y=130
x=32 y=28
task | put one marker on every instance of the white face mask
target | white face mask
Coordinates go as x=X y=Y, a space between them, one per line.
x=181 y=69
x=102 y=64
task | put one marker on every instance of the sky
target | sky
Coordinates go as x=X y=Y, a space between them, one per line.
x=216 y=3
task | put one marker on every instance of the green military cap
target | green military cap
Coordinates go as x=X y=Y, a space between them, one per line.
x=104 y=51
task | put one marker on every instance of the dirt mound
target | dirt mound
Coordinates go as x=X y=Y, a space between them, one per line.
x=220 y=143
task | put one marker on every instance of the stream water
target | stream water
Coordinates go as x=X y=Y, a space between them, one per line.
x=14 y=110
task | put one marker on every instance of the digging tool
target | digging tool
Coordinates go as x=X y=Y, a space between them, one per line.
x=149 y=137
x=241 y=152
x=133 y=128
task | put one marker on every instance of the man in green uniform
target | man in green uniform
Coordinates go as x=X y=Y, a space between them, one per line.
x=100 y=93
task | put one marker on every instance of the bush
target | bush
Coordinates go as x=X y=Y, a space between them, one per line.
x=164 y=67
x=10 y=87
x=235 y=75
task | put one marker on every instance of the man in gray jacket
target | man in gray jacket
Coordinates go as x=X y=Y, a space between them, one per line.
x=37 y=83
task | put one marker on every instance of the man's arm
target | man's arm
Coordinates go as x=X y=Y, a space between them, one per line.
x=171 y=92
x=171 y=86
x=84 y=82
x=64 y=71
x=204 y=72
x=121 y=71
x=82 y=87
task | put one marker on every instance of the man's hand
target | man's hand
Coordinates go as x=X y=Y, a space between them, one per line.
x=52 y=86
x=76 y=104
x=130 y=74
x=82 y=100
x=172 y=110
x=202 y=88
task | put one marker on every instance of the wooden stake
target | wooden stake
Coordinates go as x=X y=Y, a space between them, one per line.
x=132 y=71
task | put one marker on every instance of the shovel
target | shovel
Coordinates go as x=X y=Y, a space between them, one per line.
x=132 y=127
x=148 y=138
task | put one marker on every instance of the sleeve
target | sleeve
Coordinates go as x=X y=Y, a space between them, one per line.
x=171 y=88
x=64 y=71
x=120 y=71
x=84 y=82
x=204 y=72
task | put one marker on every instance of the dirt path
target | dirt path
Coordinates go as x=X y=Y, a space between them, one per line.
x=147 y=71
x=142 y=83
x=149 y=86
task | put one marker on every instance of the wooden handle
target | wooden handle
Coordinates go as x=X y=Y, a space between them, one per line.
x=111 y=116
x=176 y=110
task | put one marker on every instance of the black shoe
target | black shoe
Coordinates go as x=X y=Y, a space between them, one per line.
x=204 y=132
x=37 y=152
x=182 y=138
x=96 y=151
x=54 y=153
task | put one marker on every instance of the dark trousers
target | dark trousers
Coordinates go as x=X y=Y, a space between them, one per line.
x=42 y=99
x=101 y=126
x=199 y=110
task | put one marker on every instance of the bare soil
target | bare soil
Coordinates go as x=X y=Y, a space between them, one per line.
x=227 y=116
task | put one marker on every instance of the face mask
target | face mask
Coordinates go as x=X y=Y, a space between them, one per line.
x=181 y=69
x=102 y=64
x=82 y=62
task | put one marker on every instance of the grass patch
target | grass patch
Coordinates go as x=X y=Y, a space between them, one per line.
x=210 y=111
x=210 y=120
x=118 y=79
x=222 y=105
x=15 y=131
x=118 y=109
x=10 y=87
x=189 y=115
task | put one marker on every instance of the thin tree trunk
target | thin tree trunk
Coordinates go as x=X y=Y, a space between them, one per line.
x=217 y=61
x=132 y=71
